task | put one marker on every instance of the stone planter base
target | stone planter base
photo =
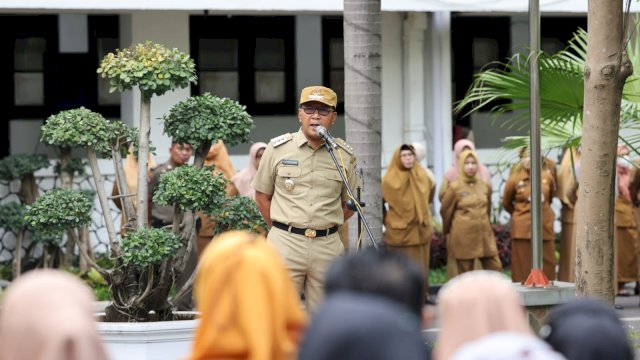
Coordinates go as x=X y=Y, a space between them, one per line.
x=164 y=340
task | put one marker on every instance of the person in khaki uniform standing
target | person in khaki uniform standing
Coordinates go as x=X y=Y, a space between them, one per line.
x=407 y=191
x=466 y=205
x=301 y=195
x=516 y=199
x=567 y=192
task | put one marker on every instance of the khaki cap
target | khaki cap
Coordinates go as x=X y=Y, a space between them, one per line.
x=320 y=94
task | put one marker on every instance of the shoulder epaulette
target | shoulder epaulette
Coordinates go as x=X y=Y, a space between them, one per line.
x=344 y=146
x=279 y=140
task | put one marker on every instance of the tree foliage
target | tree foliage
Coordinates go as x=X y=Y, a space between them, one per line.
x=199 y=119
x=58 y=210
x=15 y=167
x=148 y=246
x=238 y=213
x=192 y=189
x=12 y=216
x=153 y=68
x=82 y=127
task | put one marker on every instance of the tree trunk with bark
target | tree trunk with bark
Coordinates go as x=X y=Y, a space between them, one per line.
x=606 y=69
x=143 y=159
x=363 y=109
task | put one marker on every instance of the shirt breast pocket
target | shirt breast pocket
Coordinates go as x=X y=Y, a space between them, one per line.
x=289 y=179
x=331 y=183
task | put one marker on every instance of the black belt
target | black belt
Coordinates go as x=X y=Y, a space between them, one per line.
x=306 y=232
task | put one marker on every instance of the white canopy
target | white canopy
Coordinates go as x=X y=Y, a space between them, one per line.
x=298 y=6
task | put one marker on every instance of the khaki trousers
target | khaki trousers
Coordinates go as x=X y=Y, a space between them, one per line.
x=420 y=255
x=307 y=260
x=521 y=259
x=488 y=263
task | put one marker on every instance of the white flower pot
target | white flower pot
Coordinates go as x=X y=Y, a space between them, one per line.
x=162 y=340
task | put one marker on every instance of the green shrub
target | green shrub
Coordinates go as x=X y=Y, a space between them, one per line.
x=192 y=189
x=238 y=213
x=151 y=67
x=58 y=210
x=207 y=118
x=12 y=216
x=14 y=167
x=148 y=246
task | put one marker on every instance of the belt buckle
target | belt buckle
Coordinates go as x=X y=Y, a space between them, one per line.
x=310 y=233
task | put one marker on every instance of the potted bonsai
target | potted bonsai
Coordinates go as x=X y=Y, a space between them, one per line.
x=149 y=260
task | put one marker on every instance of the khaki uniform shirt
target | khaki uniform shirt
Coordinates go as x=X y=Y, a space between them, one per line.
x=306 y=188
x=516 y=199
x=465 y=217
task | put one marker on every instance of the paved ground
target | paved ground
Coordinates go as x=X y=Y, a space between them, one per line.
x=629 y=314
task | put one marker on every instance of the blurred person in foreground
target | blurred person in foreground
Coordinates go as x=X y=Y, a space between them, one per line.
x=248 y=306
x=48 y=315
x=373 y=310
x=586 y=329
x=478 y=304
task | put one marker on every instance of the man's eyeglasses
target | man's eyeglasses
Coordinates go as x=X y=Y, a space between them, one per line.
x=324 y=111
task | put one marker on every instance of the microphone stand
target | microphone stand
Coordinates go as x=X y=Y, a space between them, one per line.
x=329 y=145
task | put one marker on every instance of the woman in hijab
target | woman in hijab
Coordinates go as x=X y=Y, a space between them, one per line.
x=465 y=210
x=586 y=329
x=248 y=305
x=407 y=191
x=452 y=173
x=217 y=156
x=48 y=315
x=516 y=200
x=476 y=304
x=626 y=236
x=242 y=180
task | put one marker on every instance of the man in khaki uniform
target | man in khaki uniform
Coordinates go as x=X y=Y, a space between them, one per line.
x=301 y=195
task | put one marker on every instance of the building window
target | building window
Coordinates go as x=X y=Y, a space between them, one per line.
x=104 y=38
x=555 y=32
x=478 y=43
x=28 y=67
x=248 y=59
x=333 y=57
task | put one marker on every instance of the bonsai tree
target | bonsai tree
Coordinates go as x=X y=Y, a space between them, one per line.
x=20 y=167
x=12 y=219
x=155 y=70
x=55 y=212
x=199 y=121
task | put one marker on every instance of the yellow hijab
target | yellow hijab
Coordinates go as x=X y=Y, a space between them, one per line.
x=463 y=157
x=407 y=190
x=219 y=156
x=249 y=307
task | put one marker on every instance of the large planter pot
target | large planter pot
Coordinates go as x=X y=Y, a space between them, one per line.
x=162 y=340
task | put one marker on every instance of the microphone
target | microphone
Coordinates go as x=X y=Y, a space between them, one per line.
x=324 y=134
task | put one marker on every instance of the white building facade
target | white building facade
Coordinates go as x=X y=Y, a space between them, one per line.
x=262 y=53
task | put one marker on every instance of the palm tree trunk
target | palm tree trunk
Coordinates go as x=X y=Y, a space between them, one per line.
x=606 y=69
x=363 y=110
x=143 y=158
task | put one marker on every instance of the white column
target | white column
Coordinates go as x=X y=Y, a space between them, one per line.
x=413 y=72
x=308 y=53
x=392 y=85
x=440 y=113
x=171 y=29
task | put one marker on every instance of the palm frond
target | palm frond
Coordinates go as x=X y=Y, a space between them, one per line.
x=561 y=91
